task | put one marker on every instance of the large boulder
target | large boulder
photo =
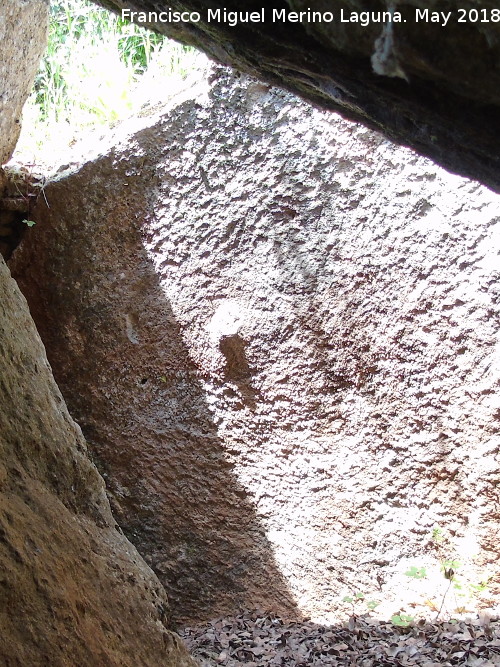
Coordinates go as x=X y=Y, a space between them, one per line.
x=23 y=35
x=73 y=590
x=429 y=80
x=279 y=333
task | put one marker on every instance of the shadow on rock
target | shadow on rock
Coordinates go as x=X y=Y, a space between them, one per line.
x=118 y=356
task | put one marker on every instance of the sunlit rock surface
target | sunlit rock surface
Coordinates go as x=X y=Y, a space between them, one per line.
x=279 y=333
x=73 y=590
x=23 y=34
x=425 y=74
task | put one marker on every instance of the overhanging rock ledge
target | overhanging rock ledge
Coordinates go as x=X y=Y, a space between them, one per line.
x=433 y=86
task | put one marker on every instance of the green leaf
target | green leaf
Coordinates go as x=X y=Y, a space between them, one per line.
x=360 y=596
x=401 y=620
x=30 y=223
x=347 y=598
x=450 y=565
x=480 y=587
x=372 y=604
x=416 y=572
x=437 y=535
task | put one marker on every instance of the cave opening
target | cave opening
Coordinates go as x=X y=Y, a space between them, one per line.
x=97 y=71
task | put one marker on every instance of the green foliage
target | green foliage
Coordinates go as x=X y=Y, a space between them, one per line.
x=91 y=56
x=372 y=604
x=416 y=572
x=360 y=597
x=480 y=587
x=449 y=568
x=401 y=620
x=29 y=223
x=437 y=535
x=450 y=565
x=464 y=587
x=90 y=69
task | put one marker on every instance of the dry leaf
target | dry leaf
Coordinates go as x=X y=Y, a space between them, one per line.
x=264 y=640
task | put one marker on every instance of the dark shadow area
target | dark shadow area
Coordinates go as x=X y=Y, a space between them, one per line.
x=119 y=359
x=16 y=198
x=237 y=369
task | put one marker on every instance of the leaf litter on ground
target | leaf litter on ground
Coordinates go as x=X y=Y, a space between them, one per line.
x=257 y=639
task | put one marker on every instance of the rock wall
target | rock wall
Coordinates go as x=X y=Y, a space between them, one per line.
x=279 y=333
x=427 y=80
x=73 y=590
x=23 y=35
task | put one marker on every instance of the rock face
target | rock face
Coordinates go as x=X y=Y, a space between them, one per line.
x=73 y=590
x=429 y=80
x=279 y=333
x=23 y=34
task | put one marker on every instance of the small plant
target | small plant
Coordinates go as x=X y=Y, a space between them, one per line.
x=449 y=567
x=29 y=223
x=401 y=620
x=416 y=572
x=372 y=604
x=480 y=587
x=437 y=535
x=360 y=597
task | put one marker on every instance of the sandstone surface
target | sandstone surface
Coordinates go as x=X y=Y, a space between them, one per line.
x=280 y=335
x=23 y=35
x=73 y=590
x=430 y=80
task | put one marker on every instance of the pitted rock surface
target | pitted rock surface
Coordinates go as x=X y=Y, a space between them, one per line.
x=73 y=590
x=279 y=333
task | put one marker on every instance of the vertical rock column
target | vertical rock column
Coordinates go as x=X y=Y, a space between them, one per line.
x=73 y=590
x=23 y=35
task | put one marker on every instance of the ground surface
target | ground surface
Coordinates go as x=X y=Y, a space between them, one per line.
x=260 y=640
